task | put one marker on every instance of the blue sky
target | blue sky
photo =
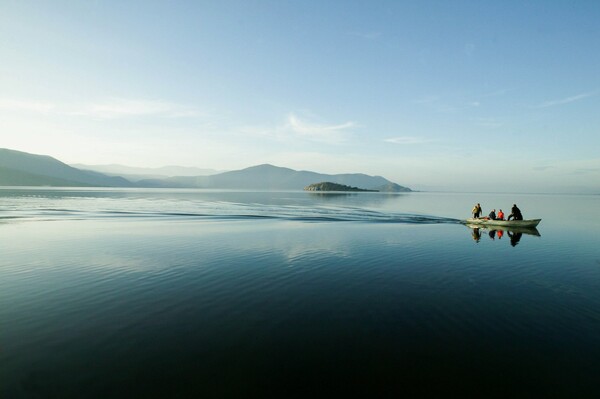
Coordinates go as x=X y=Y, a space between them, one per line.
x=441 y=95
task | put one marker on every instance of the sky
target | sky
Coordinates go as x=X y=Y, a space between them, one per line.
x=492 y=96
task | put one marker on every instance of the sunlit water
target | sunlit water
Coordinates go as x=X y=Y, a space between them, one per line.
x=192 y=293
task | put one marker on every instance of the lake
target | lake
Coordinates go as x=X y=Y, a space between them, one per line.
x=202 y=293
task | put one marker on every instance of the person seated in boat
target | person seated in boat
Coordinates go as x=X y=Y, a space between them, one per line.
x=515 y=213
x=476 y=211
x=492 y=215
x=500 y=215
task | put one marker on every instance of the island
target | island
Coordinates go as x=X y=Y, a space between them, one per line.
x=328 y=186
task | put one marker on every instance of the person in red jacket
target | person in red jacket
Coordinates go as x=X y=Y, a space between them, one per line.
x=500 y=215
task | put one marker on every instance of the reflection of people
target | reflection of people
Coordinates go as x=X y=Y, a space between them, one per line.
x=492 y=234
x=500 y=234
x=515 y=213
x=500 y=215
x=514 y=237
x=476 y=235
x=476 y=211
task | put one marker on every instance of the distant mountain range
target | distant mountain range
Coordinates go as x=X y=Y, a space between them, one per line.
x=22 y=169
x=134 y=174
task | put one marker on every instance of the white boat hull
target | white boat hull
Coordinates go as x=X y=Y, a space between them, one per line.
x=503 y=223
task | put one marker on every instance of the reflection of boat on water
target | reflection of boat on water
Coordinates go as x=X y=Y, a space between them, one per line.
x=508 y=224
x=514 y=233
x=514 y=229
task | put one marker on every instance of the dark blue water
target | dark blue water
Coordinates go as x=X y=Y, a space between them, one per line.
x=156 y=293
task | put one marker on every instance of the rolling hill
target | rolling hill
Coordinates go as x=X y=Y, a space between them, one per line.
x=23 y=169
x=269 y=177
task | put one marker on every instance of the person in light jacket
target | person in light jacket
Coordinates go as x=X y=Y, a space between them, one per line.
x=476 y=211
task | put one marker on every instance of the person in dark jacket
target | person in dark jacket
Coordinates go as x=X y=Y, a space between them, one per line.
x=515 y=213
x=476 y=211
x=492 y=215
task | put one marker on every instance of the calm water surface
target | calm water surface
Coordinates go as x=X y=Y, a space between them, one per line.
x=194 y=293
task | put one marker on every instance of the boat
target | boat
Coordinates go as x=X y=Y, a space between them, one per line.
x=528 y=223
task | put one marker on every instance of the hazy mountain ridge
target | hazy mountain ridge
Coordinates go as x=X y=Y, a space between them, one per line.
x=20 y=168
x=50 y=171
x=269 y=177
x=134 y=173
x=12 y=177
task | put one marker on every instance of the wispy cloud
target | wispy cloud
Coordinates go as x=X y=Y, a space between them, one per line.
x=566 y=100
x=120 y=108
x=106 y=109
x=296 y=128
x=408 y=140
x=27 y=106
x=312 y=129
x=318 y=132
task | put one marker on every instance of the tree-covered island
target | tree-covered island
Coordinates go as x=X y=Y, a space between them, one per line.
x=328 y=186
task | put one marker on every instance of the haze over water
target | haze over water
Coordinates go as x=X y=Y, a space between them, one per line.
x=138 y=293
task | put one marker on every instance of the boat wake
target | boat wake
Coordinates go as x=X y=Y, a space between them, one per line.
x=229 y=212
